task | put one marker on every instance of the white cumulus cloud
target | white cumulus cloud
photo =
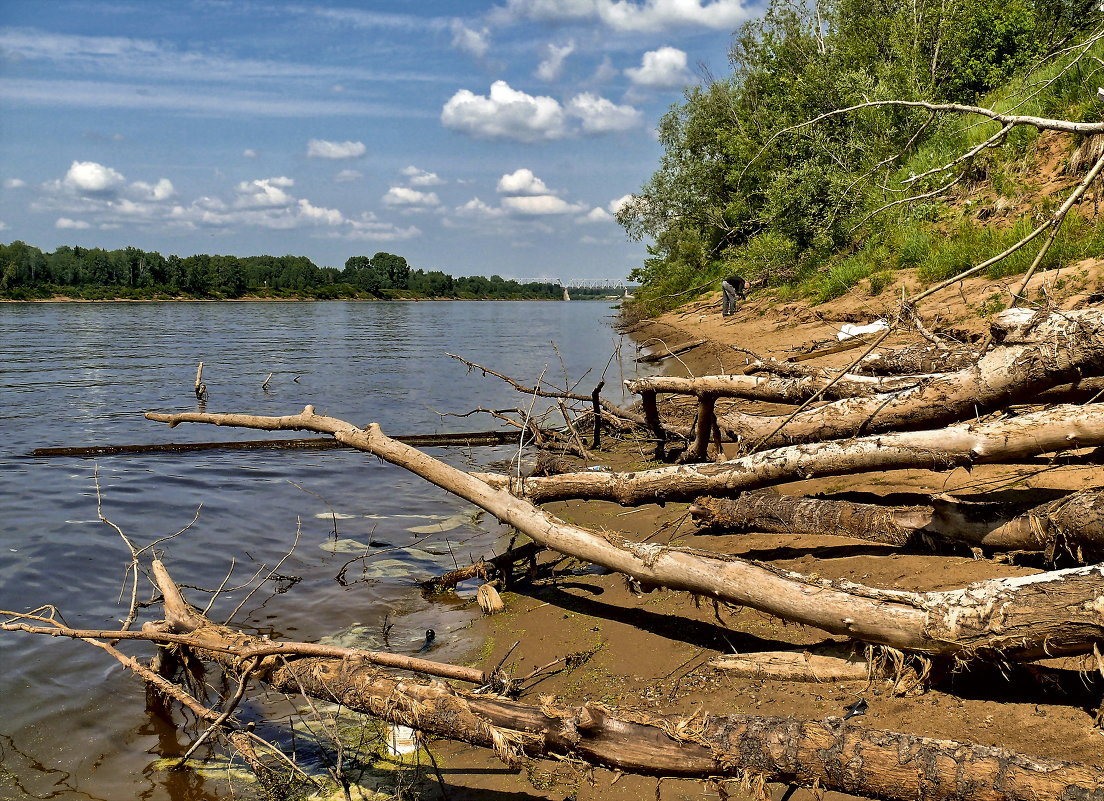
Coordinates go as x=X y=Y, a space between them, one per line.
x=539 y=205
x=162 y=190
x=505 y=113
x=14 y=183
x=600 y=115
x=88 y=177
x=550 y=68
x=347 y=176
x=628 y=15
x=405 y=196
x=322 y=149
x=596 y=215
x=76 y=225
x=522 y=182
x=264 y=193
x=418 y=177
x=664 y=68
x=249 y=153
x=618 y=204
x=477 y=208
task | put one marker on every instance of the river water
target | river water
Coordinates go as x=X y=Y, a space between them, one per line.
x=73 y=724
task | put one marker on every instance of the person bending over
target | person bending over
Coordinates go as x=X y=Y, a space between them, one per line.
x=732 y=287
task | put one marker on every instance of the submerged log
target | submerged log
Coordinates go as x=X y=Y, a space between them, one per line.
x=1055 y=613
x=831 y=754
x=460 y=440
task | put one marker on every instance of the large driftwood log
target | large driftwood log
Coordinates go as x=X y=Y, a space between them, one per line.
x=1057 y=429
x=767 y=511
x=917 y=359
x=1060 y=612
x=1037 y=352
x=1074 y=522
x=832 y=754
x=772 y=389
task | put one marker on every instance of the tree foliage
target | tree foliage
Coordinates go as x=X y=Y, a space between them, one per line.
x=732 y=195
x=27 y=272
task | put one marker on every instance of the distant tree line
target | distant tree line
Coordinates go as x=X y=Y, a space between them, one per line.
x=93 y=273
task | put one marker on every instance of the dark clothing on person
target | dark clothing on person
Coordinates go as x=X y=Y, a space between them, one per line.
x=732 y=287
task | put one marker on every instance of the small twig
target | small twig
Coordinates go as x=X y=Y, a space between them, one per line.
x=243 y=682
x=298 y=532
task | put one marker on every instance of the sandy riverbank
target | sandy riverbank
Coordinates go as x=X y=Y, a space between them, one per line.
x=650 y=652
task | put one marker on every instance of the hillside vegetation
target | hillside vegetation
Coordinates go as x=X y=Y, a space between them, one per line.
x=745 y=186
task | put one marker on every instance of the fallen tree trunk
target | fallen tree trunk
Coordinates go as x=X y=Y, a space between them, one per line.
x=1075 y=522
x=831 y=754
x=963 y=445
x=770 y=389
x=918 y=359
x=767 y=511
x=1037 y=354
x=1054 y=613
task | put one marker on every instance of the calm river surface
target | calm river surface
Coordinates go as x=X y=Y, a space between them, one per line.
x=73 y=724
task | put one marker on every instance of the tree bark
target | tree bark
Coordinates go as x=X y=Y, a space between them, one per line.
x=832 y=754
x=1042 y=354
x=1060 y=612
x=963 y=445
x=767 y=511
x=1075 y=522
x=917 y=359
x=771 y=389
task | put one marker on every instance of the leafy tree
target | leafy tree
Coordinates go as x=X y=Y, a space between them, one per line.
x=727 y=178
x=395 y=268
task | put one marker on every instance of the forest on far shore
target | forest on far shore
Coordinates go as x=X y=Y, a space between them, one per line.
x=26 y=273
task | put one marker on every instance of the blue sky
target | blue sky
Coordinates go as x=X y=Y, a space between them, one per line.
x=470 y=137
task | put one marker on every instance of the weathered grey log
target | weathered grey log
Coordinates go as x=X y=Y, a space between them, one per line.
x=766 y=511
x=918 y=359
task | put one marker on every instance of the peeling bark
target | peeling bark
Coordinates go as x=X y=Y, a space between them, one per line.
x=917 y=359
x=767 y=511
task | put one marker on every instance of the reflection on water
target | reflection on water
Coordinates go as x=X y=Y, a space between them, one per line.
x=72 y=724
